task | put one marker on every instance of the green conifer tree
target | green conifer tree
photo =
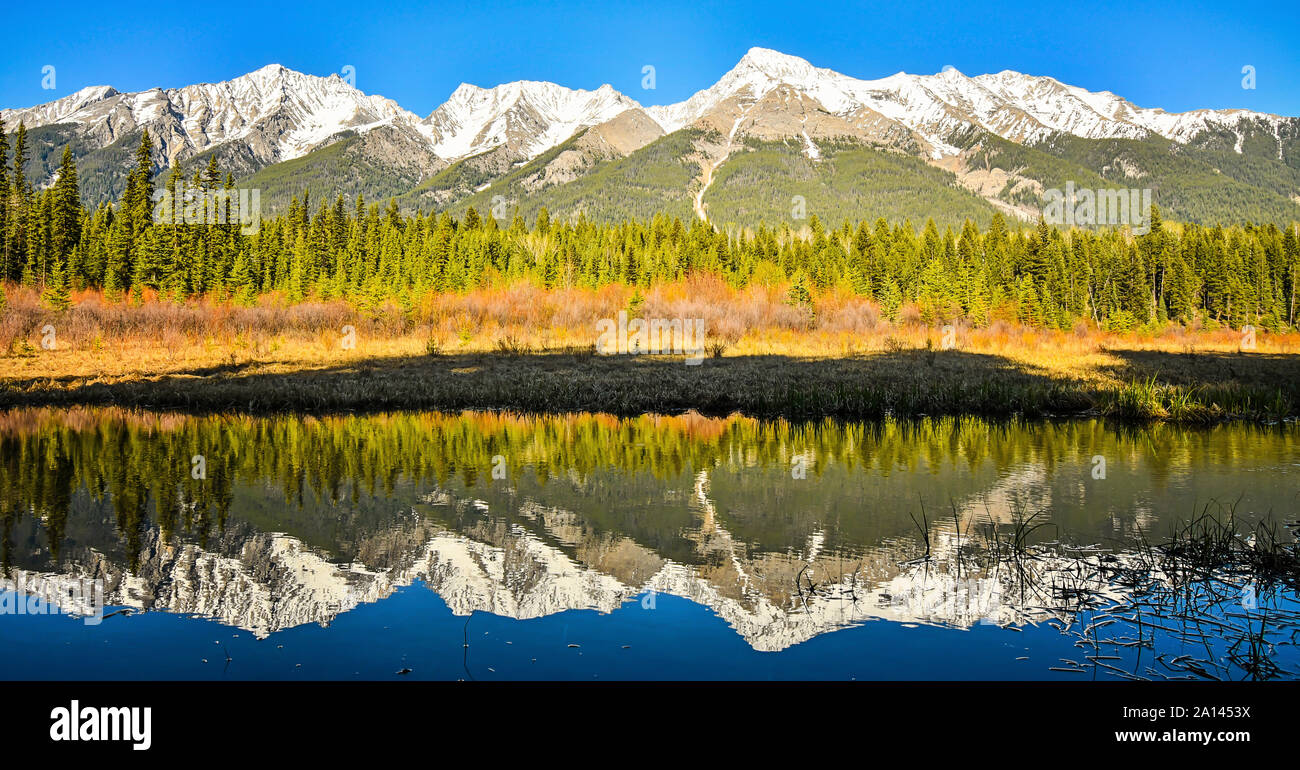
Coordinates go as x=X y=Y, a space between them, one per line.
x=65 y=208
x=56 y=294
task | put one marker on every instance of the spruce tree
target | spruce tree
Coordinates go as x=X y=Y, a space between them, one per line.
x=7 y=268
x=117 y=271
x=137 y=201
x=65 y=209
x=891 y=297
x=20 y=202
x=472 y=219
x=241 y=280
x=56 y=294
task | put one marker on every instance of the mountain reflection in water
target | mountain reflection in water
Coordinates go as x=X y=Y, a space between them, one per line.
x=944 y=522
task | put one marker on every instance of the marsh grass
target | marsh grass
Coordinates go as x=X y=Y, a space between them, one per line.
x=1223 y=589
x=1149 y=399
x=1213 y=543
x=531 y=348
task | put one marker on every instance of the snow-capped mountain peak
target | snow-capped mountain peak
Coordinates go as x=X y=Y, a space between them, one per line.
x=1019 y=107
x=69 y=109
x=274 y=113
x=527 y=116
x=312 y=108
x=774 y=64
x=758 y=72
x=284 y=113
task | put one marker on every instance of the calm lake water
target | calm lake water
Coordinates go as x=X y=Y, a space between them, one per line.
x=487 y=546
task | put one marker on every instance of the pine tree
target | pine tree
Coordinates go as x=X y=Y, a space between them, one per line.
x=472 y=219
x=297 y=287
x=116 y=263
x=1029 y=303
x=56 y=294
x=241 y=280
x=891 y=297
x=7 y=267
x=372 y=254
x=137 y=201
x=799 y=297
x=65 y=208
x=1291 y=255
x=20 y=206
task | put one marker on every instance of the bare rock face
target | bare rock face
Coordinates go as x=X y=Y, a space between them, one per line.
x=616 y=138
x=628 y=132
x=391 y=147
x=274 y=115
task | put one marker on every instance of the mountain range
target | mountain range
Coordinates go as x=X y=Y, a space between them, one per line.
x=773 y=138
x=547 y=561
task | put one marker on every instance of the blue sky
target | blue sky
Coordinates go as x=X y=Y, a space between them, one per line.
x=1158 y=54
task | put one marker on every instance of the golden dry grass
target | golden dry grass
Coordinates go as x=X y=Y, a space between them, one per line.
x=529 y=348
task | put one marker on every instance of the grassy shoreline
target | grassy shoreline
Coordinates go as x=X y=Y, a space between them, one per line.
x=905 y=383
x=530 y=351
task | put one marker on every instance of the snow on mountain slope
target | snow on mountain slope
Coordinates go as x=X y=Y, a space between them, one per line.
x=265 y=582
x=1102 y=114
x=529 y=117
x=74 y=108
x=275 y=114
x=1021 y=108
x=291 y=112
x=314 y=108
x=294 y=113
